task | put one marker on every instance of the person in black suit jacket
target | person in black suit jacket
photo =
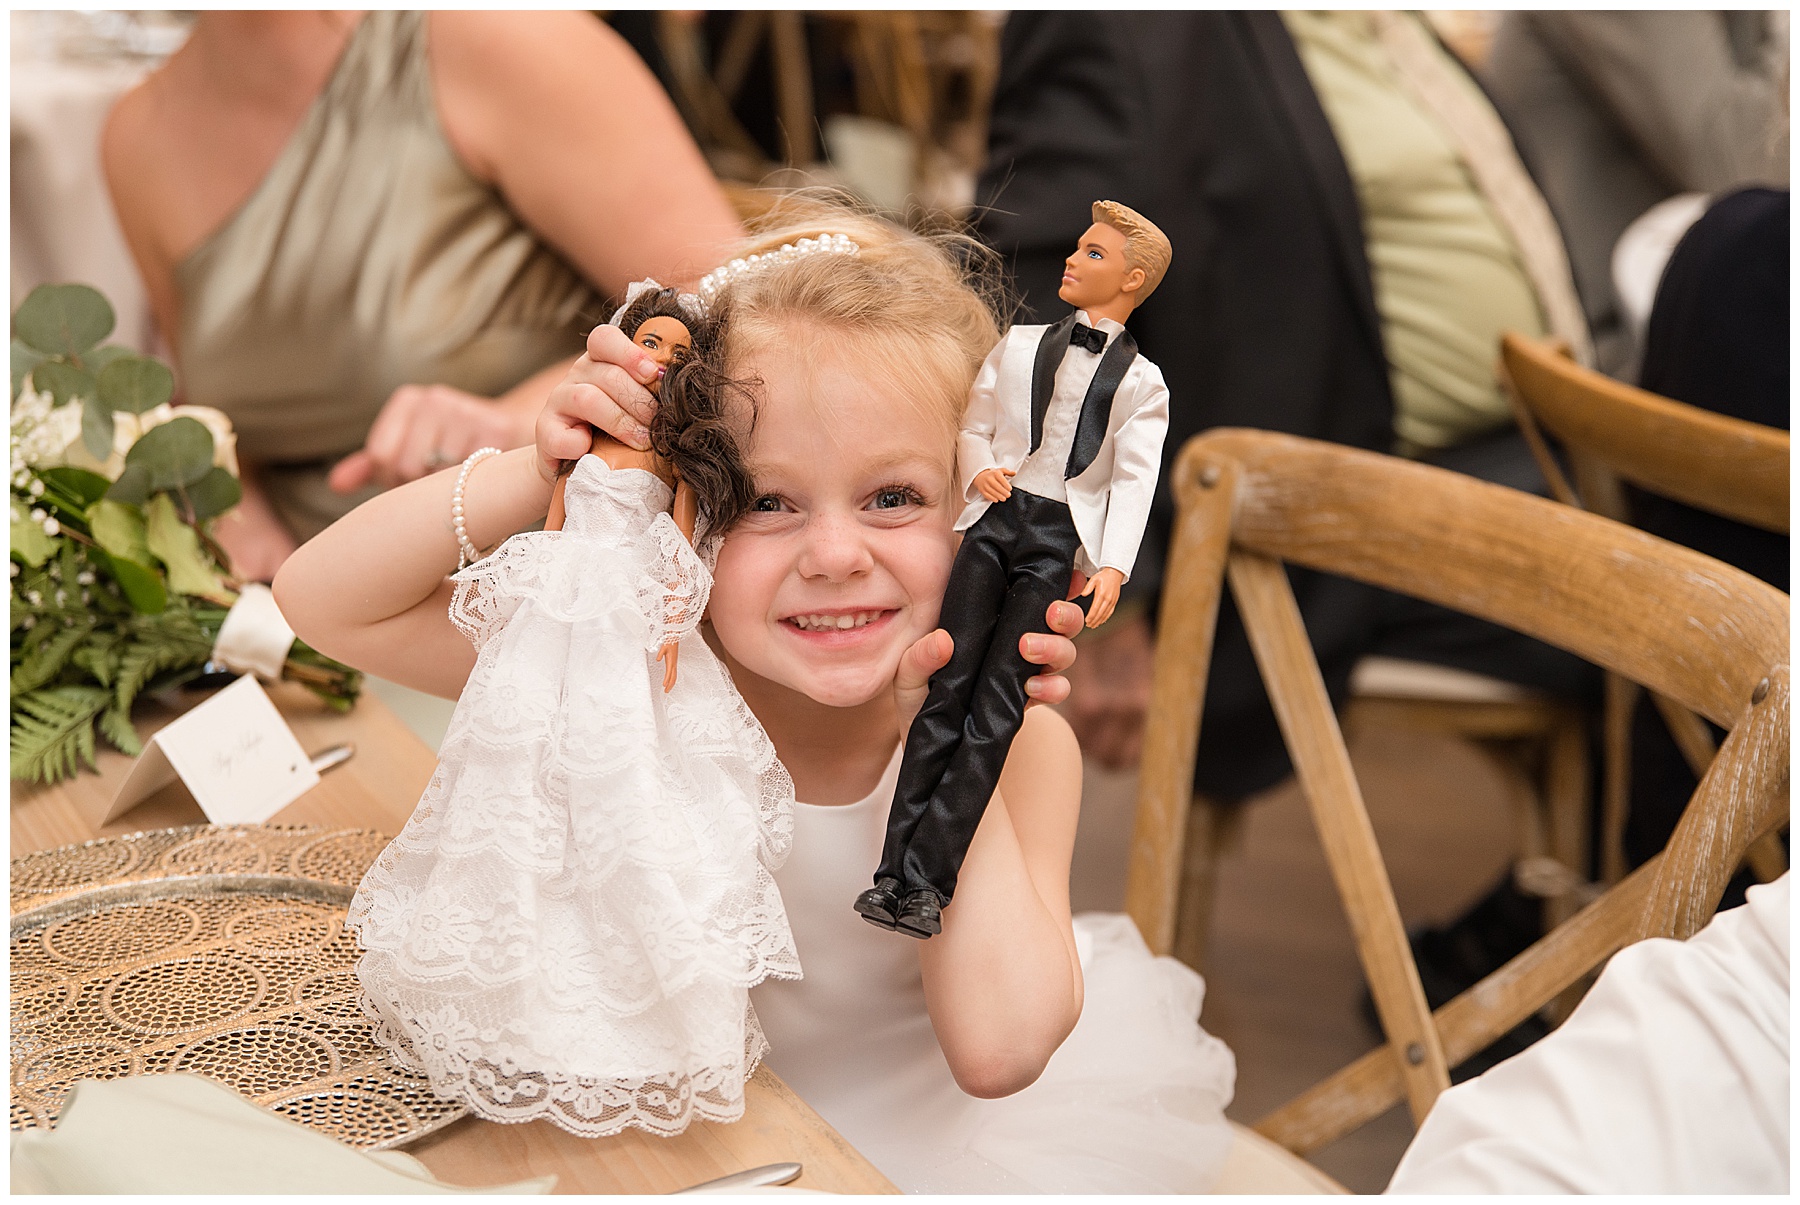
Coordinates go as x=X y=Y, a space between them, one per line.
x=1717 y=339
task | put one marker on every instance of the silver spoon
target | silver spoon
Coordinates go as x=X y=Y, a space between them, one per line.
x=756 y=1177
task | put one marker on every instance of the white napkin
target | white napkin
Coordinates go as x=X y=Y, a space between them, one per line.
x=187 y=1134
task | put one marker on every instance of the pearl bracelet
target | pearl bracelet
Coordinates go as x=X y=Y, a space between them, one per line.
x=468 y=553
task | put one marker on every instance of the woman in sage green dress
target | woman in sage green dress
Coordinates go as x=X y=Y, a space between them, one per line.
x=376 y=242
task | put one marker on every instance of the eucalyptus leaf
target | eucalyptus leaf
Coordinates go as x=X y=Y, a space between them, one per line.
x=177 y=546
x=63 y=381
x=135 y=383
x=100 y=357
x=85 y=487
x=97 y=428
x=132 y=487
x=214 y=494
x=24 y=359
x=177 y=453
x=142 y=587
x=30 y=544
x=119 y=529
x=63 y=320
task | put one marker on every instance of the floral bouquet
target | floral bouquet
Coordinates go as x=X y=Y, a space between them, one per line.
x=117 y=584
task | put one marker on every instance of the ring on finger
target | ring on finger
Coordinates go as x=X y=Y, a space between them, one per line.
x=435 y=459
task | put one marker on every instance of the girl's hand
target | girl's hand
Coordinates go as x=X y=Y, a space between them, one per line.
x=668 y=656
x=1054 y=650
x=604 y=390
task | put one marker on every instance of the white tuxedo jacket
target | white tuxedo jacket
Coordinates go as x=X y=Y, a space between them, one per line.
x=1110 y=499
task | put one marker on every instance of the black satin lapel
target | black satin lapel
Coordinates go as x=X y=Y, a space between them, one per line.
x=1329 y=174
x=1050 y=351
x=1096 y=407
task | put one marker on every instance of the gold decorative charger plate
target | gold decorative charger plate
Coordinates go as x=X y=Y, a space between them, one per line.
x=218 y=950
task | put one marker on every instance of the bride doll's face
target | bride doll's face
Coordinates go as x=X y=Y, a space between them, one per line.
x=666 y=339
x=841 y=562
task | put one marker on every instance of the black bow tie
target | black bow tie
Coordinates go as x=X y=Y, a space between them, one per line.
x=1087 y=337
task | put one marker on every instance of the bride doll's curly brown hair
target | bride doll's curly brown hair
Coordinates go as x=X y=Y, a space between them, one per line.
x=701 y=414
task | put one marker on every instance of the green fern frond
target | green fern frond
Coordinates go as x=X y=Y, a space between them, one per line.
x=98 y=656
x=115 y=726
x=157 y=649
x=53 y=731
x=45 y=658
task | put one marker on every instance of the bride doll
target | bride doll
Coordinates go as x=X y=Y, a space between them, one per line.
x=569 y=925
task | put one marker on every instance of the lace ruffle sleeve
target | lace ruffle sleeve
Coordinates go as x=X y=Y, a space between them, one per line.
x=674 y=587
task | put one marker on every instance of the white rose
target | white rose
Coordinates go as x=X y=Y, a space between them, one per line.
x=62 y=430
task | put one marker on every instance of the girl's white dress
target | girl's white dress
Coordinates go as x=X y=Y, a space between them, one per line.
x=1132 y=1102
x=569 y=925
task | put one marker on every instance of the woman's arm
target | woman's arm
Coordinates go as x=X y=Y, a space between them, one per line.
x=559 y=114
x=371 y=589
x=1002 y=981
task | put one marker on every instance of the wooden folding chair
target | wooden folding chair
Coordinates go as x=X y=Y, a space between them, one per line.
x=1707 y=635
x=1612 y=432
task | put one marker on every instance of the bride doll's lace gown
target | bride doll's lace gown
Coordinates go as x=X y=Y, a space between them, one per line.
x=570 y=923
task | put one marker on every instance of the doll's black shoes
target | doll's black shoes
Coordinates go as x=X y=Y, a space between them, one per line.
x=920 y=914
x=880 y=903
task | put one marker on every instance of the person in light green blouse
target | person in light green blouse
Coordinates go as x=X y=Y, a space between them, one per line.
x=1449 y=277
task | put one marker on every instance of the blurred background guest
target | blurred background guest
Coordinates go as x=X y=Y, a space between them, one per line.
x=1617 y=111
x=376 y=241
x=1718 y=339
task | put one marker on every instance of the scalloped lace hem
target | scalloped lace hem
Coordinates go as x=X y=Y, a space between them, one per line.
x=496 y=1087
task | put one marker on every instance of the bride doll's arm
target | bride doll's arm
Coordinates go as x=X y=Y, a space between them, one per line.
x=371 y=589
x=687 y=514
x=554 y=520
x=1002 y=981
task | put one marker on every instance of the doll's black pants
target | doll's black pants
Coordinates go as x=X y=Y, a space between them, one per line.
x=1014 y=562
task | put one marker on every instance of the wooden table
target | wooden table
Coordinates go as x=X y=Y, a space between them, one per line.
x=377 y=789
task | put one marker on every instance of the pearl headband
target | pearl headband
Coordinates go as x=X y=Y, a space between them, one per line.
x=825 y=244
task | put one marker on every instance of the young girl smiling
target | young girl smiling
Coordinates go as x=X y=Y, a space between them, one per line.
x=823 y=610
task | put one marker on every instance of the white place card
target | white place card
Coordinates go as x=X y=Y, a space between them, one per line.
x=234 y=752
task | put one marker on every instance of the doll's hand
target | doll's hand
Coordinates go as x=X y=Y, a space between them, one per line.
x=604 y=389
x=670 y=653
x=1054 y=650
x=1104 y=586
x=993 y=484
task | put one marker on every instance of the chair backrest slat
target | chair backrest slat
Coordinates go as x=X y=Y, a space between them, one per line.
x=1720 y=464
x=1672 y=619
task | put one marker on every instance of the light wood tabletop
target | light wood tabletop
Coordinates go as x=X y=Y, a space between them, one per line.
x=376 y=789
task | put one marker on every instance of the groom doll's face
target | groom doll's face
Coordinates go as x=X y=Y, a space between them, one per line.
x=1096 y=274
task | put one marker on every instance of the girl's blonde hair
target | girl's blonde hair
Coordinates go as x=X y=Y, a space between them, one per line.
x=921 y=308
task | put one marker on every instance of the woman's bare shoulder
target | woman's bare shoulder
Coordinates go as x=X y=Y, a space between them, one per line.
x=130 y=137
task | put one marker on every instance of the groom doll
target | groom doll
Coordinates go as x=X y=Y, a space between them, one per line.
x=1059 y=455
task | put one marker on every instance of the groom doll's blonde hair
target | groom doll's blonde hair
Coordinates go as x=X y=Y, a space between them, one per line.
x=1146 y=246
